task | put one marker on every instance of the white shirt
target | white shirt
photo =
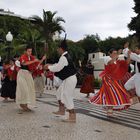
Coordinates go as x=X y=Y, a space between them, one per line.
x=60 y=65
x=133 y=56
x=125 y=52
x=121 y=57
x=136 y=58
x=107 y=59
x=132 y=68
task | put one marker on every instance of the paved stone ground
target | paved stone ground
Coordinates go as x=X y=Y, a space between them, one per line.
x=92 y=123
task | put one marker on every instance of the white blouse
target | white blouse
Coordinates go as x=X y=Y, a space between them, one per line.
x=107 y=59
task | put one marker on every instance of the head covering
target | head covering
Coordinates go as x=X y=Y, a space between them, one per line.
x=63 y=44
x=89 y=62
x=17 y=63
x=16 y=55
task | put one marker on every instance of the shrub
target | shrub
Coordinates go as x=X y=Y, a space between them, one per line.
x=97 y=83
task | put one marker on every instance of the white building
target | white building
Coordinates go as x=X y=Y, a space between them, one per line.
x=9 y=13
x=97 y=59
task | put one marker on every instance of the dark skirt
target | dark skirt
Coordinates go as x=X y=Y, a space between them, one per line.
x=88 y=84
x=8 y=89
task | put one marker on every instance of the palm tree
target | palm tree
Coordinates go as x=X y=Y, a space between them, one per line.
x=32 y=37
x=49 y=25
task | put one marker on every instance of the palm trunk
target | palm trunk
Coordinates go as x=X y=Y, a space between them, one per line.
x=35 y=49
x=46 y=50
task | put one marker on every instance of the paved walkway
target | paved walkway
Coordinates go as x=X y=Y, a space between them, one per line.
x=92 y=123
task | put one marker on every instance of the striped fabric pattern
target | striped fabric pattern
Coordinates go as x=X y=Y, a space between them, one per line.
x=125 y=78
x=112 y=93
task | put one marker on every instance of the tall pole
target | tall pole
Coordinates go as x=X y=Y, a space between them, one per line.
x=8 y=49
x=46 y=49
x=9 y=38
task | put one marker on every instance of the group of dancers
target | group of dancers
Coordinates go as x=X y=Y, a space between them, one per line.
x=119 y=86
x=24 y=75
x=11 y=83
x=27 y=70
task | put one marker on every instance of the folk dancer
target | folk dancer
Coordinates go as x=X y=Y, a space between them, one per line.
x=88 y=82
x=25 y=92
x=9 y=80
x=49 y=80
x=133 y=82
x=38 y=76
x=112 y=95
x=66 y=71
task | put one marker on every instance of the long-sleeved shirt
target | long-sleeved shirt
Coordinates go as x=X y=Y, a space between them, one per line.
x=60 y=65
x=133 y=56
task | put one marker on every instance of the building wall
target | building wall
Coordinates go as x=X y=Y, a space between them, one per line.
x=97 y=59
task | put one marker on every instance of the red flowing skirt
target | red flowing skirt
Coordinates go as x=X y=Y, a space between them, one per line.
x=88 y=84
x=112 y=92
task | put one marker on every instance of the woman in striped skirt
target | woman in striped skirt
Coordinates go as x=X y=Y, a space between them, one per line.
x=112 y=94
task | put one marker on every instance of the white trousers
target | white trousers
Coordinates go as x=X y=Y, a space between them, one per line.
x=57 y=81
x=49 y=83
x=65 y=92
x=134 y=82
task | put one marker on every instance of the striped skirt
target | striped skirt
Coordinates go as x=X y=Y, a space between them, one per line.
x=125 y=78
x=111 y=93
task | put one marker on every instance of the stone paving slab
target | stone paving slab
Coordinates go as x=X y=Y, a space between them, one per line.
x=41 y=124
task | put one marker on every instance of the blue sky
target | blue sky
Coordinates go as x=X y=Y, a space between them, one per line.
x=104 y=17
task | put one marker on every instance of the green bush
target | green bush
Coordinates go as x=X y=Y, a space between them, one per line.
x=97 y=83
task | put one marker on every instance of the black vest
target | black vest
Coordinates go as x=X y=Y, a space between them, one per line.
x=67 y=71
x=138 y=64
x=24 y=67
x=89 y=69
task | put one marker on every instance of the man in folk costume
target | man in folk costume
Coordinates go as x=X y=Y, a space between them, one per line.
x=133 y=82
x=66 y=71
x=25 y=92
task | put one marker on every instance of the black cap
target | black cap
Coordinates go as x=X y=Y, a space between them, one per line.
x=16 y=55
x=63 y=44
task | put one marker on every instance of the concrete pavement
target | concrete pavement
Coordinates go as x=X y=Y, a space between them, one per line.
x=92 y=123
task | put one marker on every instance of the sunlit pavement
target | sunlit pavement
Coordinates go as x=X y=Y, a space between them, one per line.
x=92 y=122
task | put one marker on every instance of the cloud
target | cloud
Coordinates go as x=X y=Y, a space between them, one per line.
x=105 y=17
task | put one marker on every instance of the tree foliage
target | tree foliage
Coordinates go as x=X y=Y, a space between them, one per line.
x=110 y=42
x=48 y=26
x=90 y=44
x=37 y=31
x=134 y=25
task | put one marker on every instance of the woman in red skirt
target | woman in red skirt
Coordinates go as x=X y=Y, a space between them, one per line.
x=112 y=94
x=88 y=82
